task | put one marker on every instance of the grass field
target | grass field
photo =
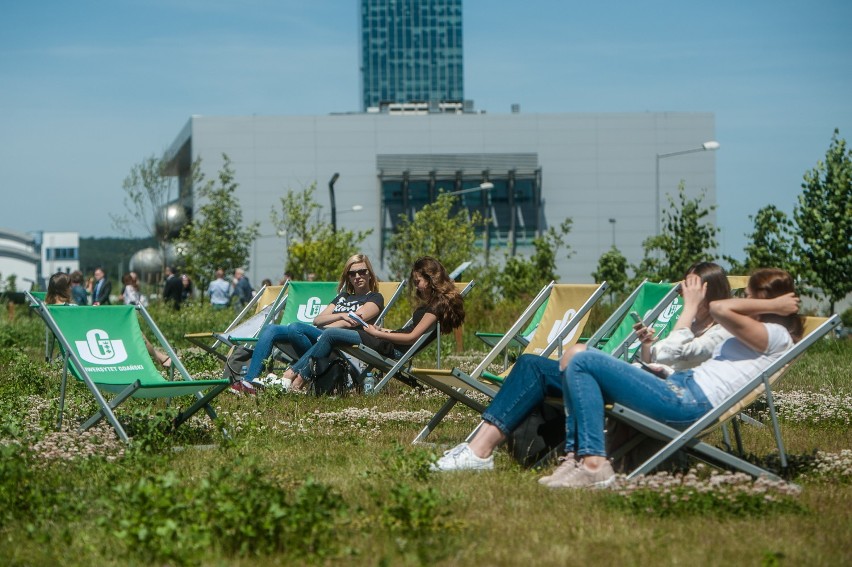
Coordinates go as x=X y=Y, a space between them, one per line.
x=336 y=481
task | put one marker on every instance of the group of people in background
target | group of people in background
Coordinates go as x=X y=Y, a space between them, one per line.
x=97 y=290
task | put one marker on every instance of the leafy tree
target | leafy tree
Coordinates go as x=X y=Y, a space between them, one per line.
x=823 y=218
x=148 y=190
x=217 y=238
x=312 y=244
x=435 y=231
x=686 y=238
x=612 y=268
x=521 y=277
x=772 y=244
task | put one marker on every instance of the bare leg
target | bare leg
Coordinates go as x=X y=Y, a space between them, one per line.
x=569 y=354
x=487 y=438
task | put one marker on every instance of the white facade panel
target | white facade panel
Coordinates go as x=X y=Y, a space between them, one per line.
x=593 y=167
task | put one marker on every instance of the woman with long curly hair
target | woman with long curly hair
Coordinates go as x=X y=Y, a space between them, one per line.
x=437 y=301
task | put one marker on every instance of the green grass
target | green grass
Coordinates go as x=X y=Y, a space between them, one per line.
x=336 y=481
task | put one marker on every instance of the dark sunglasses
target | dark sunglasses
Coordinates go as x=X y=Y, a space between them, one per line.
x=363 y=273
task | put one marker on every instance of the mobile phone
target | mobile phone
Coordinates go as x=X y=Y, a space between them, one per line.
x=636 y=316
x=357 y=318
x=647 y=368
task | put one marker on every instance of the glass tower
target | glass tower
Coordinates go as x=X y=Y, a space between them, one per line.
x=411 y=51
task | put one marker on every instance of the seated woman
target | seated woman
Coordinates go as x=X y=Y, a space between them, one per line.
x=360 y=295
x=436 y=301
x=764 y=325
x=535 y=378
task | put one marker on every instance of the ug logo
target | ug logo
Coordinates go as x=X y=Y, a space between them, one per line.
x=98 y=348
x=310 y=309
x=561 y=324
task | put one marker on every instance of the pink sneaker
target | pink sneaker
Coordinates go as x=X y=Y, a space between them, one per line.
x=244 y=387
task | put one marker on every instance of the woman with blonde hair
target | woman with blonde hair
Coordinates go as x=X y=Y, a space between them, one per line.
x=358 y=294
x=436 y=299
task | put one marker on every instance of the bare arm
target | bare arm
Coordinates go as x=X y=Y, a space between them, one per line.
x=426 y=323
x=327 y=317
x=739 y=316
x=693 y=290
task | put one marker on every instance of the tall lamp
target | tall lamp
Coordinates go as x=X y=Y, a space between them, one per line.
x=331 y=183
x=711 y=145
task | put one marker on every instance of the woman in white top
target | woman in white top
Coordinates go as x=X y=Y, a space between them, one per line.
x=763 y=326
x=535 y=378
x=695 y=334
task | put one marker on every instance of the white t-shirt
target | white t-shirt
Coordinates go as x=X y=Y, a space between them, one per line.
x=734 y=364
x=682 y=349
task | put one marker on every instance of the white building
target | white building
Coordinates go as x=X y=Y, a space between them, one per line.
x=18 y=257
x=609 y=172
x=60 y=252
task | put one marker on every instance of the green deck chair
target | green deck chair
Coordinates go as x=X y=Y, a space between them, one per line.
x=305 y=300
x=103 y=347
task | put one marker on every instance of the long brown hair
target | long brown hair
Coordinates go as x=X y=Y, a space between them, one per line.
x=441 y=294
x=58 y=289
x=767 y=283
x=346 y=282
x=718 y=286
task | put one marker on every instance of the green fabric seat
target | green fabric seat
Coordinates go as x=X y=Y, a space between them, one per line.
x=103 y=347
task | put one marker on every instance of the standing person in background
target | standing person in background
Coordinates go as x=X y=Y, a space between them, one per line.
x=242 y=289
x=219 y=291
x=78 y=292
x=287 y=277
x=130 y=294
x=266 y=282
x=187 y=290
x=172 y=289
x=101 y=288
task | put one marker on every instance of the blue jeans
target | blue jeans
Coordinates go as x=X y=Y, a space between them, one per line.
x=594 y=378
x=328 y=340
x=532 y=379
x=300 y=336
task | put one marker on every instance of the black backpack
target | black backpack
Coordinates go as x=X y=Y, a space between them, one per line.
x=333 y=376
x=539 y=436
x=238 y=357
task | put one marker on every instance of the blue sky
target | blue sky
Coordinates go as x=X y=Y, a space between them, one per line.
x=88 y=89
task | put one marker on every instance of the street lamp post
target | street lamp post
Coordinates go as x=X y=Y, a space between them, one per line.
x=331 y=183
x=711 y=145
x=612 y=222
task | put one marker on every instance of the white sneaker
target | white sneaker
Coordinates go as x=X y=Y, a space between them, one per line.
x=461 y=458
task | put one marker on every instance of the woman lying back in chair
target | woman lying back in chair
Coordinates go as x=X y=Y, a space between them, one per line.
x=535 y=378
x=763 y=326
x=437 y=301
